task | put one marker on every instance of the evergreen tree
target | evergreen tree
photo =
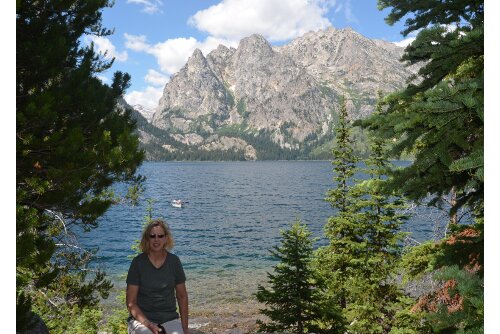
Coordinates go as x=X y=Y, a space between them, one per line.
x=440 y=120
x=360 y=262
x=72 y=145
x=333 y=260
x=459 y=306
x=376 y=298
x=292 y=299
x=456 y=263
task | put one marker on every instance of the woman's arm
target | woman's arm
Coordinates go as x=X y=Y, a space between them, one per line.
x=182 y=300
x=134 y=309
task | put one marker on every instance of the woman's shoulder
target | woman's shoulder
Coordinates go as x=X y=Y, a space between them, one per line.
x=173 y=257
x=140 y=257
x=137 y=262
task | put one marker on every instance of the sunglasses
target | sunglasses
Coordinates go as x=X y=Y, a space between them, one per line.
x=159 y=236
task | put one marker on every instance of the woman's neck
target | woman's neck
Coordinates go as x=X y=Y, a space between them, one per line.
x=157 y=254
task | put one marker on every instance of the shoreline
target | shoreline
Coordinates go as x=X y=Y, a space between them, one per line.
x=228 y=318
x=240 y=316
x=213 y=317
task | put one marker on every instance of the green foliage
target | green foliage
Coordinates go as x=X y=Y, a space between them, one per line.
x=74 y=319
x=344 y=166
x=419 y=260
x=63 y=309
x=322 y=149
x=445 y=50
x=467 y=288
x=72 y=145
x=229 y=98
x=359 y=265
x=116 y=321
x=195 y=154
x=24 y=306
x=261 y=140
x=457 y=266
x=406 y=321
x=464 y=248
x=241 y=107
x=432 y=12
x=293 y=303
x=87 y=322
x=439 y=120
x=333 y=260
x=446 y=138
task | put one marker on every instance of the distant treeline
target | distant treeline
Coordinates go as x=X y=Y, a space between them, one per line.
x=313 y=148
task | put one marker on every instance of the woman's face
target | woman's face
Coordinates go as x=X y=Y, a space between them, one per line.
x=157 y=239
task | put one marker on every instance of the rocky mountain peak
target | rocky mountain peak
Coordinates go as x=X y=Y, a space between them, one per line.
x=256 y=45
x=287 y=92
x=221 y=51
x=144 y=111
x=196 y=61
x=345 y=61
x=218 y=59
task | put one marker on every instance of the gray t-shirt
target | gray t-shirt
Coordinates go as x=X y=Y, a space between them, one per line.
x=156 y=296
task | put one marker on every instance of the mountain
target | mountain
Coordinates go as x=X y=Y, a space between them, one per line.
x=146 y=112
x=259 y=101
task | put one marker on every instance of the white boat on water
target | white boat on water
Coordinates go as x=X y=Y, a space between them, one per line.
x=177 y=203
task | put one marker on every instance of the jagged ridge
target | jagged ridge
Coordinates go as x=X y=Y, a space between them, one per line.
x=285 y=94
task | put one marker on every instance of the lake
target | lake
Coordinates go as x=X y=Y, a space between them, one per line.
x=234 y=216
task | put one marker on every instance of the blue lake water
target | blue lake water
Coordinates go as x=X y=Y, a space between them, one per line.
x=234 y=216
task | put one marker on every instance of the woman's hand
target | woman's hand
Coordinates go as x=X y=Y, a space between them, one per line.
x=135 y=311
x=153 y=327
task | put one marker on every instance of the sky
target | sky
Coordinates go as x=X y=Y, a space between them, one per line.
x=153 y=39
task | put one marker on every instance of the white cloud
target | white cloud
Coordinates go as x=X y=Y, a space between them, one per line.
x=277 y=20
x=172 y=54
x=155 y=78
x=405 y=42
x=104 y=46
x=150 y=6
x=147 y=98
x=135 y=42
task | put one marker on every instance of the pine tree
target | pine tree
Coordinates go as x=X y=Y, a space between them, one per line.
x=292 y=298
x=333 y=260
x=359 y=264
x=72 y=145
x=456 y=263
x=375 y=295
x=459 y=306
x=440 y=120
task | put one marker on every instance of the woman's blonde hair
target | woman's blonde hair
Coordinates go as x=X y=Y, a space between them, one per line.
x=169 y=244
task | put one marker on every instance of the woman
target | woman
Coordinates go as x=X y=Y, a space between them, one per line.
x=152 y=279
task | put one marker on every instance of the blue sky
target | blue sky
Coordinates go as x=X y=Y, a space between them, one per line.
x=154 y=38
